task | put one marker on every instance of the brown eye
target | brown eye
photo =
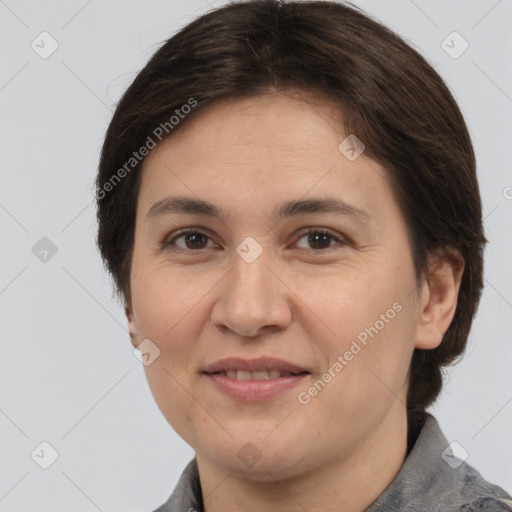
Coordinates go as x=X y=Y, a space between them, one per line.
x=320 y=239
x=193 y=241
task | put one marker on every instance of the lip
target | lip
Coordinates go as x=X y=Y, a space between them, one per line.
x=254 y=390
x=253 y=365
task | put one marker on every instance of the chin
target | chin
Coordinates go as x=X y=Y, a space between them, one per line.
x=258 y=458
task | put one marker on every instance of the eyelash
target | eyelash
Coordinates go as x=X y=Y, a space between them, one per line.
x=167 y=243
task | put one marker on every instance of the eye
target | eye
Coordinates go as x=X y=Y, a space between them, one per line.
x=193 y=240
x=319 y=239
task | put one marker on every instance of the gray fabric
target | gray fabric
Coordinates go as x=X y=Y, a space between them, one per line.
x=425 y=483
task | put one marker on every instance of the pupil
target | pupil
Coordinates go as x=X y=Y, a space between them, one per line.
x=191 y=236
x=315 y=236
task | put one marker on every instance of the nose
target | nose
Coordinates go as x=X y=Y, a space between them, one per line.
x=253 y=299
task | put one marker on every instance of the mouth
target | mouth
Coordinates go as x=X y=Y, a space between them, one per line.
x=254 y=380
x=260 y=375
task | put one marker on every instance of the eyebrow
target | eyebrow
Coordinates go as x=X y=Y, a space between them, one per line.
x=193 y=206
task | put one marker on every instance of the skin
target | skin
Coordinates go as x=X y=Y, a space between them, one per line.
x=199 y=302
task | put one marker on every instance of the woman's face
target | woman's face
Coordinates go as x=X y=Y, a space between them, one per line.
x=323 y=288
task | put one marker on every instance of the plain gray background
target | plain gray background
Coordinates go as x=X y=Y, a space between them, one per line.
x=68 y=375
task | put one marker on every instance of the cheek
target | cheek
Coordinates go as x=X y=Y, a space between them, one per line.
x=374 y=357
x=165 y=300
x=166 y=312
x=166 y=315
x=370 y=336
x=363 y=380
x=345 y=306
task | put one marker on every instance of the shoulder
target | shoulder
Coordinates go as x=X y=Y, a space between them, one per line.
x=186 y=496
x=432 y=478
x=469 y=491
x=488 y=504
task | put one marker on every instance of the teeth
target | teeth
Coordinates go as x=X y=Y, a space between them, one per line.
x=261 y=375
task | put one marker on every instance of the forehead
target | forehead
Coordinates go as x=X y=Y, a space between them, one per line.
x=269 y=148
x=274 y=122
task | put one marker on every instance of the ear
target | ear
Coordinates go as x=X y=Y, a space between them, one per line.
x=132 y=326
x=439 y=295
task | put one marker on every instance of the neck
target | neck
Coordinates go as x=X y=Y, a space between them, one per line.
x=350 y=483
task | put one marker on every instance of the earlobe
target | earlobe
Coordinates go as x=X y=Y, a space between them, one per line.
x=131 y=326
x=439 y=298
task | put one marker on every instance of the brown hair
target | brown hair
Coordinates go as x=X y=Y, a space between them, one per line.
x=392 y=99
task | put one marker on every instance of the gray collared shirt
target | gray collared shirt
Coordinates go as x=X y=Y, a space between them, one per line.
x=431 y=480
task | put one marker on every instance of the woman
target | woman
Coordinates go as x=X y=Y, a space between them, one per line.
x=288 y=205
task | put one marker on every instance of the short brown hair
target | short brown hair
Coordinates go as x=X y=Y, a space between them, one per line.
x=392 y=99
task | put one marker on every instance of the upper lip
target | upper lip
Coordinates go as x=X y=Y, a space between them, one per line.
x=253 y=365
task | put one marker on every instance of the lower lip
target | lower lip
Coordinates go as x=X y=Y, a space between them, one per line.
x=254 y=389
